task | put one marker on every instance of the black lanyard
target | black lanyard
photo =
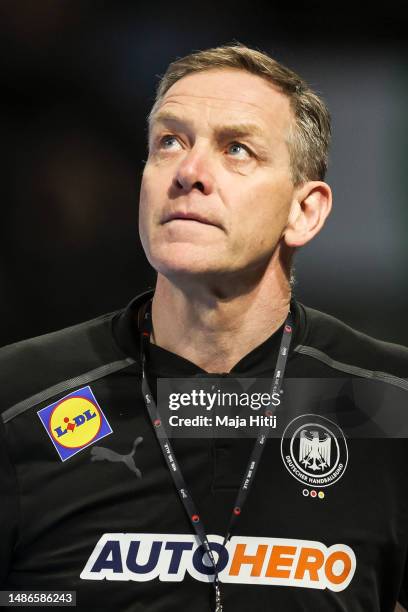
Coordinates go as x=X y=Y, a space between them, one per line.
x=171 y=460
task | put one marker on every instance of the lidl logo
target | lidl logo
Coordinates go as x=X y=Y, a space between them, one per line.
x=74 y=422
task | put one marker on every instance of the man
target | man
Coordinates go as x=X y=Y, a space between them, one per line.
x=233 y=185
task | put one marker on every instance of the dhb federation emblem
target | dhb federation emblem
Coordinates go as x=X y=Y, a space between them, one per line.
x=314 y=450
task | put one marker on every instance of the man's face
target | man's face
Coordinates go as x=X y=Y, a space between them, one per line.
x=217 y=152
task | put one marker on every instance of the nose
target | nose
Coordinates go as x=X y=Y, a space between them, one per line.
x=194 y=172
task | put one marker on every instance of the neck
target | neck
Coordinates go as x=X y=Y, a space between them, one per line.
x=215 y=325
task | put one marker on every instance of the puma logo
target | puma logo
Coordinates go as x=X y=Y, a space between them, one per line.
x=100 y=453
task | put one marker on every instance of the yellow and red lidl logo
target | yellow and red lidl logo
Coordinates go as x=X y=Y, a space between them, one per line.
x=74 y=422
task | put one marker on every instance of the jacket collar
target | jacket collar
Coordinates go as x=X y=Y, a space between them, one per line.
x=258 y=362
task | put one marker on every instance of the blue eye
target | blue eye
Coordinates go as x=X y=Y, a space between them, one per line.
x=238 y=150
x=167 y=142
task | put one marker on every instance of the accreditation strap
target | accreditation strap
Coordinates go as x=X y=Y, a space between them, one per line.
x=170 y=458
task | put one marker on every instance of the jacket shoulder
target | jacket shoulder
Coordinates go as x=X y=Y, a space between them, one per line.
x=30 y=366
x=343 y=344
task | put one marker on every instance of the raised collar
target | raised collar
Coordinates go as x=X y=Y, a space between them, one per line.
x=260 y=361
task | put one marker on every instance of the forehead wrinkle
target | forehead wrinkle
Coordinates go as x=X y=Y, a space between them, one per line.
x=237 y=128
x=171 y=99
x=267 y=113
x=252 y=107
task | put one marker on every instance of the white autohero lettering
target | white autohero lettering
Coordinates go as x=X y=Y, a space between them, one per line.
x=244 y=560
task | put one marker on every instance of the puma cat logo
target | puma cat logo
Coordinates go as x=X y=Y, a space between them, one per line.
x=100 y=453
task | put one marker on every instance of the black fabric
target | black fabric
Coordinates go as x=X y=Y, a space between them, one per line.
x=54 y=512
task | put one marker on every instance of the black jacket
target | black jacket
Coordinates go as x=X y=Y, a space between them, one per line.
x=76 y=514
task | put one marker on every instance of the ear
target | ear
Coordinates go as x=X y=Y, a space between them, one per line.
x=311 y=205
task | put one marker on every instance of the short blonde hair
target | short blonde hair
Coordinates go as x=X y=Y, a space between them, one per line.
x=309 y=138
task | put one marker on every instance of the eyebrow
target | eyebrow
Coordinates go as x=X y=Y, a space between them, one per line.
x=239 y=130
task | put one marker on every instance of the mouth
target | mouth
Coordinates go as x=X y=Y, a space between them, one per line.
x=197 y=218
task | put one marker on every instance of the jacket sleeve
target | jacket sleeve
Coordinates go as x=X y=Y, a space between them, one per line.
x=8 y=508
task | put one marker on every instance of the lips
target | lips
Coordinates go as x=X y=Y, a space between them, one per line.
x=189 y=216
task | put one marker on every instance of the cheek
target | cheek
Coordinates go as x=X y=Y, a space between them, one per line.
x=145 y=206
x=149 y=195
x=142 y=203
x=155 y=186
x=265 y=215
x=146 y=186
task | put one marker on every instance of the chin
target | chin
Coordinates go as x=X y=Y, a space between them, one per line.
x=183 y=260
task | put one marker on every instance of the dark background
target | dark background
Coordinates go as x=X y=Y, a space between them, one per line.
x=78 y=80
